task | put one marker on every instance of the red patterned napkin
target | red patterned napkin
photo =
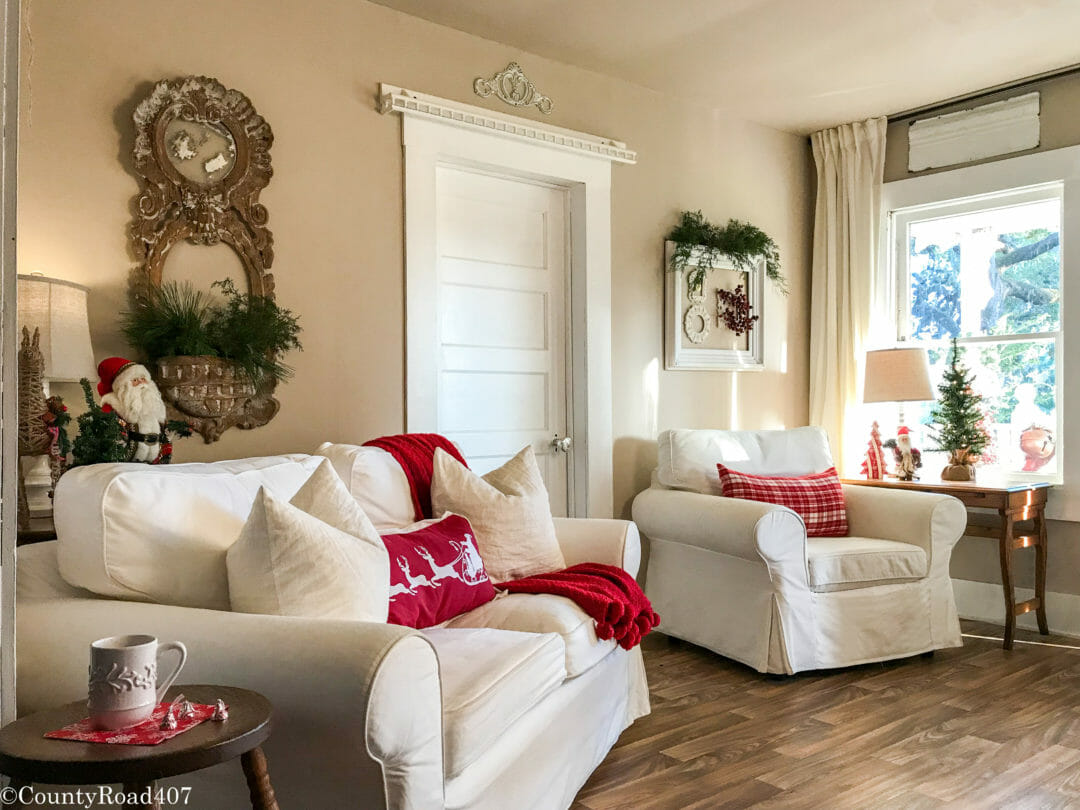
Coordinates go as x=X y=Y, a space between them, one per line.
x=148 y=732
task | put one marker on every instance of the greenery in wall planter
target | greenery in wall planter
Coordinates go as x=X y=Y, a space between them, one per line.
x=741 y=242
x=251 y=331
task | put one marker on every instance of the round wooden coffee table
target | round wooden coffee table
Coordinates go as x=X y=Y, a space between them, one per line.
x=27 y=757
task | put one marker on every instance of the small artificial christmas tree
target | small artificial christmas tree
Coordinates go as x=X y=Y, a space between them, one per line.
x=101 y=436
x=958 y=420
x=873 y=466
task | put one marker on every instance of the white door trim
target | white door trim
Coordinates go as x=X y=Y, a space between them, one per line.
x=429 y=142
x=9 y=363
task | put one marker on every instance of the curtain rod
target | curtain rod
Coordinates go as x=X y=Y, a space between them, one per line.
x=937 y=106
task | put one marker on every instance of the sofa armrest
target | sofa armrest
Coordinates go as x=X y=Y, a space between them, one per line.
x=600 y=540
x=933 y=522
x=749 y=529
x=347 y=696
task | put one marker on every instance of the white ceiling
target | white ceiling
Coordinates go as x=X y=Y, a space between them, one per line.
x=797 y=65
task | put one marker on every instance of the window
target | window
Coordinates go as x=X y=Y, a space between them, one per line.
x=987 y=270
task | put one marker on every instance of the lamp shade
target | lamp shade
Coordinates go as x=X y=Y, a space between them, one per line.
x=897 y=375
x=58 y=309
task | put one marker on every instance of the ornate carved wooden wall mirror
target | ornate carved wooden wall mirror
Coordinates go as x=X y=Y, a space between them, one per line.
x=202 y=154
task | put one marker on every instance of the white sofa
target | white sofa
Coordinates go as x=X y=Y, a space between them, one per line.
x=741 y=577
x=511 y=705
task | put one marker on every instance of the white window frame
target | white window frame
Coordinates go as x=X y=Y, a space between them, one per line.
x=1028 y=173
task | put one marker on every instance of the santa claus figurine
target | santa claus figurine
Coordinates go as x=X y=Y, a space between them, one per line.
x=908 y=459
x=126 y=388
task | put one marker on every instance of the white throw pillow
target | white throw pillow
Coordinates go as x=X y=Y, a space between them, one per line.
x=325 y=496
x=509 y=512
x=376 y=480
x=290 y=563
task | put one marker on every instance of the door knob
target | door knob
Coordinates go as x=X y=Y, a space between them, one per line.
x=561 y=445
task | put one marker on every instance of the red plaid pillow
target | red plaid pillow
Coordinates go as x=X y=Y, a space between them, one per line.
x=818 y=498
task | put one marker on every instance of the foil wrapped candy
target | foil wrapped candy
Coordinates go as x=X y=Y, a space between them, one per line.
x=221 y=711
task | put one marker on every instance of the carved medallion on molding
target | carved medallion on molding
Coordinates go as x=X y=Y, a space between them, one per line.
x=513 y=87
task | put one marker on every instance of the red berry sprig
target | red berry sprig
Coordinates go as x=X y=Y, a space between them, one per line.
x=736 y=312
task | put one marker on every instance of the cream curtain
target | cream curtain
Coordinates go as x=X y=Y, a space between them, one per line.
x=850 y=163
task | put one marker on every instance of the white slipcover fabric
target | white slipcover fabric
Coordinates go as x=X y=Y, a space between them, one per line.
x=838 y=563
x=543 y=613
x=160 y=533
x=542 y=761
x=376 y=480
x=489 y=679
x=687 y=459
x=741 y=578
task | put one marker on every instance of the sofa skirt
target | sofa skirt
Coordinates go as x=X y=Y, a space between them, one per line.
x=544 y=759
x=731 y=606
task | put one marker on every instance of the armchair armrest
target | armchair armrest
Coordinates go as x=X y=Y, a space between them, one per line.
x=749 y=529
x=347 y=696
x=599 y=540
x=933 y=522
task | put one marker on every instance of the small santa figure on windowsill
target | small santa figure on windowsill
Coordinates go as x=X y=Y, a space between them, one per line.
x=908 y=459
x=127 y=388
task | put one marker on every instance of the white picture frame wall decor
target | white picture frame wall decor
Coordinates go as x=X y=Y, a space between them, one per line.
x=695 y=337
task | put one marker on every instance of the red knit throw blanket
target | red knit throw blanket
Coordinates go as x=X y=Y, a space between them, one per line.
x=415 y=452
x=607 y=593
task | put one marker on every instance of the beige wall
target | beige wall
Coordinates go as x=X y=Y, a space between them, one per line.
x=335 y=202
x=977 y=559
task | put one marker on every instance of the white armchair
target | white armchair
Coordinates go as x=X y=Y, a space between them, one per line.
x=742 y=578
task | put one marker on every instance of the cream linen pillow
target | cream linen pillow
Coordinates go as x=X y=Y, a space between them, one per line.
x=325 y=496
x=291 y=563
x=508 y=509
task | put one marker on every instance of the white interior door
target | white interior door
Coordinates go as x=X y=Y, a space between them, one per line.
x=501 y=311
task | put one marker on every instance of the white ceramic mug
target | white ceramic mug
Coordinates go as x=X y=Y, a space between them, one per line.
x=124 y=682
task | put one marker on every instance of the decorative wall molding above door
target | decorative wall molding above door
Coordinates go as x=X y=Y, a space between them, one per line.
x=411 y=103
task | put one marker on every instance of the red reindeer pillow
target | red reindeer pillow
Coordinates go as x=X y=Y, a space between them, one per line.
x=435 y=572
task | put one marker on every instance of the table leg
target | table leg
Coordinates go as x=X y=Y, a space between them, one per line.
x=1005 y=543
x=142 y=789
x=1040 y=572
x=258 y=779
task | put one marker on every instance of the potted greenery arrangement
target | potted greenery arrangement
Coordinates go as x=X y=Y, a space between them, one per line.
x=217 y=362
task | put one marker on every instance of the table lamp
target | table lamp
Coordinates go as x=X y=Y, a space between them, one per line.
x=55 y=347
x=898 y=375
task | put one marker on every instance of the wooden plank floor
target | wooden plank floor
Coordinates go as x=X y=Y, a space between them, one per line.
x=969 y=728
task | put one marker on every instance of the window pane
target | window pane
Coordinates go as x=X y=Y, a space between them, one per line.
x=990 y=272
x=1017 y=382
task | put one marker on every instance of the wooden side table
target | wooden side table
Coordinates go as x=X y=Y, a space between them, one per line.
x=27 y=757
x=1015 y=503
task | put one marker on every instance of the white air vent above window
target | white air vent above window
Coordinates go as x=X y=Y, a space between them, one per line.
x=994 y=129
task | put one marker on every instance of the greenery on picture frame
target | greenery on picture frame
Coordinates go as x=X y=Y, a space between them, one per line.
x=741 y=242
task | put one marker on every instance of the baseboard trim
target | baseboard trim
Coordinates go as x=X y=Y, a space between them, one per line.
x=983 y=602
